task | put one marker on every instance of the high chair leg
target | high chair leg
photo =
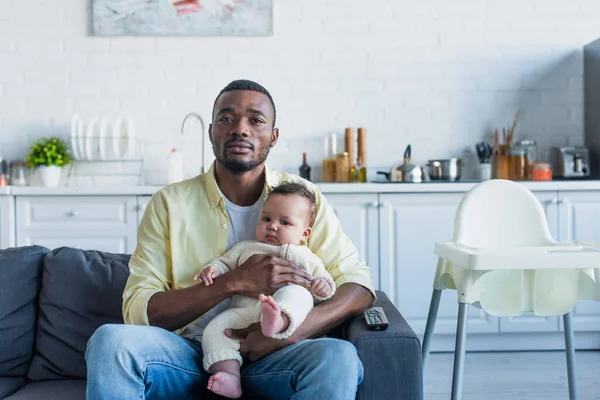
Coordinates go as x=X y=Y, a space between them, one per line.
x=459 y=351
x=570 y=351
x=433 y=310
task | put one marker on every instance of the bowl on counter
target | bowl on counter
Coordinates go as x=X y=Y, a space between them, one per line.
x=448 y=169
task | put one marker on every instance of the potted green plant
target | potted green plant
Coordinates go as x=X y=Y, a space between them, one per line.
x=48 y=156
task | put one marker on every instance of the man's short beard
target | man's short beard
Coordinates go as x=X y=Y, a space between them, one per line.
x=240 y=167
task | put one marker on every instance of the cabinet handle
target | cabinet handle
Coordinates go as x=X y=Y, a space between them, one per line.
x=384 y=204
x=564 y=201
x=375 y=204
x=74 y=213
x=552 y=201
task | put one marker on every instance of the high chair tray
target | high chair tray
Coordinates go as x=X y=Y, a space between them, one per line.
x=561 y=255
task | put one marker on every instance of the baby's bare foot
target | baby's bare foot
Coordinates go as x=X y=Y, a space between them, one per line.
x=225 y=384
x=273 y=321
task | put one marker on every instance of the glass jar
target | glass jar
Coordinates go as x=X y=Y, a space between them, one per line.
x=541 y=172
x=517 y=164
x=17 y=173
x=529 y=148
x=342 y=167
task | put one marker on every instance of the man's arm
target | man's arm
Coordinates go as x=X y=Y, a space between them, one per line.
x=349 y=300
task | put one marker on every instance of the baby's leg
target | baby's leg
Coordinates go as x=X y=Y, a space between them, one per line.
x=285 y=311
x=226 y=380
x=273 y=320
x=221 y=354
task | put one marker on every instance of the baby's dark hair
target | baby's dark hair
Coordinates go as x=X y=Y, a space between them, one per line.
x=287 y=188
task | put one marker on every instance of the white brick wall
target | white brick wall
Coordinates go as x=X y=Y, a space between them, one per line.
x=437 y=74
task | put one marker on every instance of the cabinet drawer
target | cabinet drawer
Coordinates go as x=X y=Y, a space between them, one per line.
x=67 y=212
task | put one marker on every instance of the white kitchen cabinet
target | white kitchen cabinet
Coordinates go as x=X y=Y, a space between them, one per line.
x=359 y=217
x=579 y=219
x=7 y=222
x=410 y=224
x=105 y=223
x=142 y=203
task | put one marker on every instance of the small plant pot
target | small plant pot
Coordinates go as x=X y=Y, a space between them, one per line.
x=49 y=176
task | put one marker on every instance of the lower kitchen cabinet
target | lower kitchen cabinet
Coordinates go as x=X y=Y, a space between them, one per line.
x=579 y=219
x=7 y=222
x=105 y=223
x=410 y=224
x=359 y=217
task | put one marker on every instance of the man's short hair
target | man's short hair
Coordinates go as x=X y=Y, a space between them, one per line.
x=244 y=84
x=297 y=188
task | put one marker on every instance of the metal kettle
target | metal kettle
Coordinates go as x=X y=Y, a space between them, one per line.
x=407 y=172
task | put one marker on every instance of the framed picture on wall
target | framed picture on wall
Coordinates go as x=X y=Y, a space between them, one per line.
x=182 y=17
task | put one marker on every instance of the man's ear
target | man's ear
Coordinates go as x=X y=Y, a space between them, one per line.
x=274 y=136
x=210 y=134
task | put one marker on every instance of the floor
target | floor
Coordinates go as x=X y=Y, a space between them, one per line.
x=514 y=376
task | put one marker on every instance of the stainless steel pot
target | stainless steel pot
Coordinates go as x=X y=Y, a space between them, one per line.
x=445 y=169
x=405 y=172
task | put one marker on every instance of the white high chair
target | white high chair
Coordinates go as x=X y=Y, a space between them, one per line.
x=504 y=260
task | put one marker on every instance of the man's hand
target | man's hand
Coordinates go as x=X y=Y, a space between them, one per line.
x=265 y=273
x=207 y=275
x=320 y=287
x=254 y=344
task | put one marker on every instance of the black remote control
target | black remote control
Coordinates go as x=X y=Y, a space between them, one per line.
x=376 y=319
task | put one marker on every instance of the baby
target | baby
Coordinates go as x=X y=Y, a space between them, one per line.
x=285 y=224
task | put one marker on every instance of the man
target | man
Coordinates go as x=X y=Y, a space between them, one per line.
x=188 y=224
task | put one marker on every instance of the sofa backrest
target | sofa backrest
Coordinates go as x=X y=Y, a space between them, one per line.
x=81 y=290
x=20 y=280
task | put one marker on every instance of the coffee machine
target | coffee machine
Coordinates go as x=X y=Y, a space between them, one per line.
x=570 y=162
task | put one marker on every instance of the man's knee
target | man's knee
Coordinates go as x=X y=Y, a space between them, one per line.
x=110 y=339
x=336 y=352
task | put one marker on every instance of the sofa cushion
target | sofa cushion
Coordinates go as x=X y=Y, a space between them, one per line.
x=20 y=277
x=81 y=290
x=52 y=390
x=10 y=385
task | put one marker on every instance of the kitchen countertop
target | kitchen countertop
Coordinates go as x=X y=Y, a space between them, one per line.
x=328 y=188
x=449 y=187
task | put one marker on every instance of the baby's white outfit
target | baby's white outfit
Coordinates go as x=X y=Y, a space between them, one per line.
x=294 y=300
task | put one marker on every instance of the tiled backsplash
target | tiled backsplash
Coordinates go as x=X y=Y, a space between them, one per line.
x=437 y=74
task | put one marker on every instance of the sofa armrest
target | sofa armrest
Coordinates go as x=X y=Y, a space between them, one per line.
x=391 y=358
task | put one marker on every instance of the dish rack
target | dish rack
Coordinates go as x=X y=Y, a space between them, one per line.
x=107 y=156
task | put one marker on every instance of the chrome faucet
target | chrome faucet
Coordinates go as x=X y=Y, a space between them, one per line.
x=199 y=118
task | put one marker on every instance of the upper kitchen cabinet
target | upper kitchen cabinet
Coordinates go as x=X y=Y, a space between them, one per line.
x=359 y=217
x=7 y=222
x=410 y=224
x=105 y=223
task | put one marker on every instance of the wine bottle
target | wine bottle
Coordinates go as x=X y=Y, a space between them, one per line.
x=305 y=168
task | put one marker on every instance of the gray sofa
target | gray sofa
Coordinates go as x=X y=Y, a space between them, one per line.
x=51 y=302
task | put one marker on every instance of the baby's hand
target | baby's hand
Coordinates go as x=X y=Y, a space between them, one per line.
x=320 y=287
x=207 y=275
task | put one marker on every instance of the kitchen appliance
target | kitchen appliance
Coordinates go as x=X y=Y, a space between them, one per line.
x=570 y=162
x=445 y=169
x=405 y=172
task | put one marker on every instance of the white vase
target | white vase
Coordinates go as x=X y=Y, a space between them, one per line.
x=49 y=176
x=485 y=171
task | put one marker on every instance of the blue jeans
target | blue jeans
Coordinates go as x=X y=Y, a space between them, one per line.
x=137 y=362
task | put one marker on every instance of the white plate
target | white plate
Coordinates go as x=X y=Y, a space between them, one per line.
x=131 y=142
x=124 y=143
x=90 y=138
x=118 y=128
x=76 y=133
x=102 y=138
